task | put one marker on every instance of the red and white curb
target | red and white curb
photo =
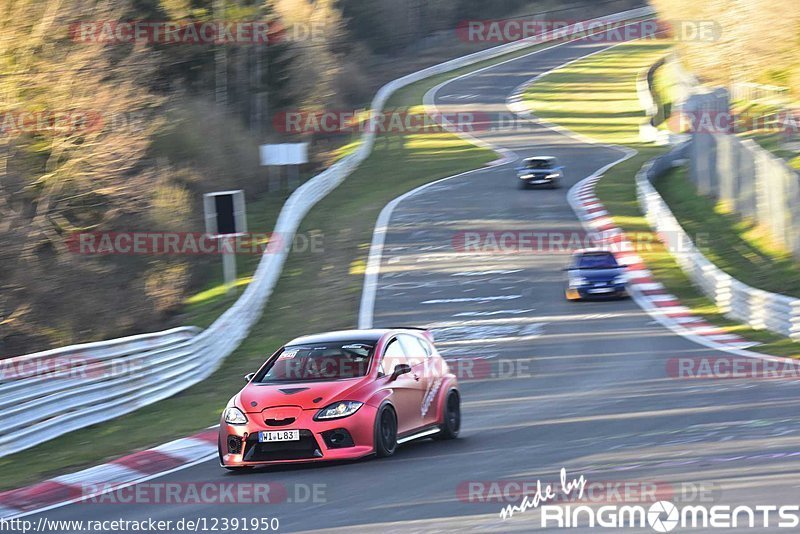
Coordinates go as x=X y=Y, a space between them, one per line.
x=128 y=470
x=648 y=292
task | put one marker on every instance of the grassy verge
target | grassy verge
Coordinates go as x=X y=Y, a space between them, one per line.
x=737 y=247
x=606 y=108
x=316 y=292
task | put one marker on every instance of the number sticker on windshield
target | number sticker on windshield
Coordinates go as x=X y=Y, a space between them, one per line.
x=288 y=355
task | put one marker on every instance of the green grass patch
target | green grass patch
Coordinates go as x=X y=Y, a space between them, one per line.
x=596 y=97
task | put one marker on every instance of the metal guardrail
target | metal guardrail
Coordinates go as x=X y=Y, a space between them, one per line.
x=171 y=361
x=754 y=183
x=757 y=308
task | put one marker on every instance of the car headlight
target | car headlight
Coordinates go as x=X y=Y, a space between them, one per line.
x=553 y=175
x=619 y=279
x=338 y=410
x=524 y=176
x=234 y=416
x=577 y=281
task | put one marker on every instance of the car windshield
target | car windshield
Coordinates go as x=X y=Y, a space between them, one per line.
x=539 y=164
x=318 y=361
x=599 y=260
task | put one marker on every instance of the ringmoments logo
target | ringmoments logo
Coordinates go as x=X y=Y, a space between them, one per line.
x=660 y=516
x=664 y=516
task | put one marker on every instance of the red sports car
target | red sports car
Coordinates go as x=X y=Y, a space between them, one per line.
x=340 y=396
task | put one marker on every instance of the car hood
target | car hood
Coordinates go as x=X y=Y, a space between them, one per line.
x=301 y=394
x=599 y=275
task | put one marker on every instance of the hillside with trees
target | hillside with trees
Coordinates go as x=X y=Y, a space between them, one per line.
x=756 y=40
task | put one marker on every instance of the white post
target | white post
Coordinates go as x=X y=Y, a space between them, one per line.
x=228 y=244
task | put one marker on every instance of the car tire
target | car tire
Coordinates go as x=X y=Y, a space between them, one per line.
x=451 y=416
x=523 y=185
x=385 y=431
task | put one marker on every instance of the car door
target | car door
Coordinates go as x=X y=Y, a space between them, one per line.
x=419 y=353
x=408 y=389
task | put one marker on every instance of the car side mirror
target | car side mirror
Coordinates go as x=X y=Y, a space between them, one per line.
x=248 y=377
x=400 y=369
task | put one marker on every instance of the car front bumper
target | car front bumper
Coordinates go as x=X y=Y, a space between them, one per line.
x=347 y=438
x=598 y=292
x=536 y=180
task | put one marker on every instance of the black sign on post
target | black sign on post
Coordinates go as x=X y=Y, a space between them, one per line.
x=225 y=219
x=225 y=213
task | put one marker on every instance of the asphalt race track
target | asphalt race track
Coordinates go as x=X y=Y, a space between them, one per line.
x=584 y=386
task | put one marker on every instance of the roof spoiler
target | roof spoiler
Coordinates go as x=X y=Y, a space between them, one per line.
x=424 y=331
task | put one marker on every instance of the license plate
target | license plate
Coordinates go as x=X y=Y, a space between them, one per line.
x=278 y=435
x=539 y=182
x=602 y=290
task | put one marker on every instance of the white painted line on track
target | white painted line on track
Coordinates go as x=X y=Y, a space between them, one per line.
x=491 y=313
x=482 y=273
x=472 y=299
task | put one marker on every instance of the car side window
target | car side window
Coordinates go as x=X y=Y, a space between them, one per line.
x=426 y=347
x=415 y=349
x=393 y=355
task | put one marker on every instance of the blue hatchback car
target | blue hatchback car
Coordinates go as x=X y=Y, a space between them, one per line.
x=595 y=274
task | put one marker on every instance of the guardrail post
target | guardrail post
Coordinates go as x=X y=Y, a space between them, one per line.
x=794 y=320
